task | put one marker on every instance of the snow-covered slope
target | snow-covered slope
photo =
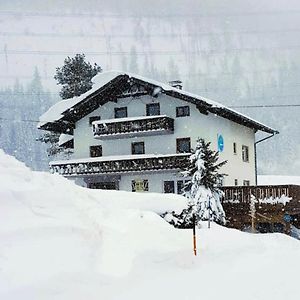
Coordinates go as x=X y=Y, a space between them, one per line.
x=60 y=241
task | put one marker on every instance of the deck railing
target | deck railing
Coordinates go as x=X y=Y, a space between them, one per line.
x=270 y=204
x=111 y=165
x=148 y=125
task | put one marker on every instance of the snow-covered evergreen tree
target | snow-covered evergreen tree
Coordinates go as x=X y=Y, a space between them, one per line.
x=202 y=188
x=51 y=139
x=75 y=76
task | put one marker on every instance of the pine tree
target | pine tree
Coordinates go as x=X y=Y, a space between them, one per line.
x=75 y=76
x=202 y=188
x=51 y=139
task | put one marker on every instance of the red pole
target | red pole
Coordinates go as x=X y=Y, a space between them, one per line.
x=194 y=236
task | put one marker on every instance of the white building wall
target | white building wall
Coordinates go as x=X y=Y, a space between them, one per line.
x=196 y=125
x=156 y=181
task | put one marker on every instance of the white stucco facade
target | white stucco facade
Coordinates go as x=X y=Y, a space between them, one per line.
x=196 y=125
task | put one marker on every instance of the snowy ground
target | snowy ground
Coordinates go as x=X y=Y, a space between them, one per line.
x=60 y=241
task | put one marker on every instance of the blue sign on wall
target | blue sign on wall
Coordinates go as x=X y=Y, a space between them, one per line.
x=220 y=143
x=287 y=218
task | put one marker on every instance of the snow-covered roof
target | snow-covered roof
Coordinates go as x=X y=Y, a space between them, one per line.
x=64 y=138
x=57 y=113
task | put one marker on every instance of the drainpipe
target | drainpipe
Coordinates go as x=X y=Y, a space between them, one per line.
x=255 y=157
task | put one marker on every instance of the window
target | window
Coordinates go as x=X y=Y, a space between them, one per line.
x=169 y=187
x=121 y=112
x=183 y=145
x=94 y=118
x=138 y=148
x=180 y=186
x=140 y=185
x=95 y=151
x=182 y=111
x=152 y=109
x=246 y=182
x=104 y=185
x=236 y=182
x=245 y=153
x=234 y=148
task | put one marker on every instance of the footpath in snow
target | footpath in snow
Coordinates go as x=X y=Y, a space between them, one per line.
x=61 y=241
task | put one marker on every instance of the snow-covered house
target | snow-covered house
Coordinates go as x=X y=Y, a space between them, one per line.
x=133 y=133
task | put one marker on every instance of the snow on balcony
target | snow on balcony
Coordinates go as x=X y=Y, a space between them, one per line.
x=120 y=164
x=134 y=126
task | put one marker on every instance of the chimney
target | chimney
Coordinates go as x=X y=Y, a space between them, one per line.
x=176 y=84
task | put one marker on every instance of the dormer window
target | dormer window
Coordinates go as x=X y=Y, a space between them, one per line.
x=120 y=112
x=152 y=109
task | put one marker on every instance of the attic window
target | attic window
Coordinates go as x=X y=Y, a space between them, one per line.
x=182 y=111
x=94 y=118
x=121 y=112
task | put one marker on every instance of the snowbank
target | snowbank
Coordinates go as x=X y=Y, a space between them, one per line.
x=60 y=241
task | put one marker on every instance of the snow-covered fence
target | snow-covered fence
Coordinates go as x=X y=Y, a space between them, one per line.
x=277 y=204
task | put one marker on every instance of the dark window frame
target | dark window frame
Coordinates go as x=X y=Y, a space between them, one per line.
x=180 y=185
x=246 y=182
x=118 y=109
x=178 y=144
x=148 y=107
x=234 y=148
x=182 y=111
x=107 y=185
x=94 y=118
x=236 y=182
x=133 y=144
x=245 y=153
x=171 y=186
x=95 y=150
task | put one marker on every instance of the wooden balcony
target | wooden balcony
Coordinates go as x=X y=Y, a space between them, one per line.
x=120 y=164
x=136 y=126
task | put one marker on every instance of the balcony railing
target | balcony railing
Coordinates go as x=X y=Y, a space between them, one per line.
x=120 y=164
x=136 y=126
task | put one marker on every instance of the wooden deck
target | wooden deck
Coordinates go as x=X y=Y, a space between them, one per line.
x=276 y=207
